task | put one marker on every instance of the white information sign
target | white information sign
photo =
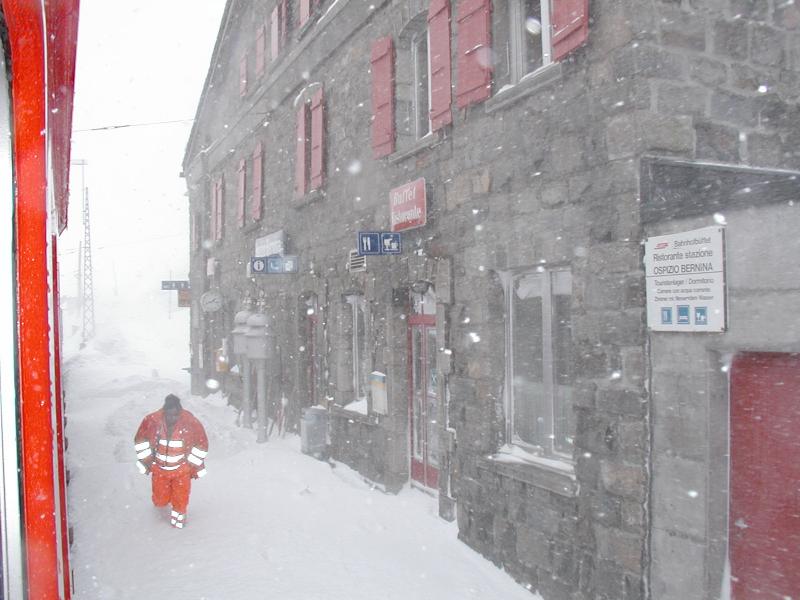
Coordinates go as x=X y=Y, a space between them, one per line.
x=273 y=244
x=686 y=281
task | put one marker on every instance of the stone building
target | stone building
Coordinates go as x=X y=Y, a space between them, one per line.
x=524 y=151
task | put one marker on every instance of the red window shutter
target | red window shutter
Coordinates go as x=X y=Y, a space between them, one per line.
x=275 y=32
x=317 y=140
x=284 y=13
x=439 y=51
x=570 y=25
x=220 y=203
x=474 y=52
x=258 y=171
x=300 y=166
x=243 y=75
x=383 y=128
x=260 y=49
x=212 y=229
x=305 y=12
x=242 y=192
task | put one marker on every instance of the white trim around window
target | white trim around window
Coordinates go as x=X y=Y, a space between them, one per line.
x=538 y=387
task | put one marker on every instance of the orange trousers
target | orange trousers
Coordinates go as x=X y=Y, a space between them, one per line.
x=172 y=487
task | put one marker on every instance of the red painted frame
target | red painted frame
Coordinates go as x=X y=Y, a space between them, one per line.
x=42 y=39
x=764 y=525
x=421 y=471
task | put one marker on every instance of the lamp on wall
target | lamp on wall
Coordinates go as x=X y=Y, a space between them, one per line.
x=421 y=286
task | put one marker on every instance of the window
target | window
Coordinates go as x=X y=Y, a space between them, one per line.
x=539 y=376
x=258 y=177
x=279 y=27
x=356 y=326
x=383 y=105
x=241 y=173
x=307 y=10
x=419 y=50
x=501 y=42
x=217 y=211
x=521 y=39
x=413 y=83
x=310 y=149
x=261 y=41
x=243 y=75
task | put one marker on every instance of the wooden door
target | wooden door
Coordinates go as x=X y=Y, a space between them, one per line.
x=764 y=520
x=423 y=401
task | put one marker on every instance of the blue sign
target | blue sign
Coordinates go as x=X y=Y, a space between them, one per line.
x=369 y=243
x=666 y=315
x=274 y=265
x=701 y=315
x=391 y=243
x=258 y=265
x=683 y=314
x=290 y=264
x=180 y=284
x=379 y=242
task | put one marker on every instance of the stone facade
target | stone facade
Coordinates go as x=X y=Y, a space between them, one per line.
x=546 y=174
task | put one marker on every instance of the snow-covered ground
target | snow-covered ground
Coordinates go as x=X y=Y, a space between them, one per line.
x=267 y=521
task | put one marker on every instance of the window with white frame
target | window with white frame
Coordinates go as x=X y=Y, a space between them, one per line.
x=356 y=327
x=521 y=34
x=539 y=374
x=413 y=83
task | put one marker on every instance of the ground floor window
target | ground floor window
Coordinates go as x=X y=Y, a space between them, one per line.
x=356 y=327
x=539 y=374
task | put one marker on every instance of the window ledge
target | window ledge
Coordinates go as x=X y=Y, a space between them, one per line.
x=532 y=82
x=309 y=198
x=538 y=472
x=312 y=19
x=250 y=227
x=351 y=415
x=427 y=141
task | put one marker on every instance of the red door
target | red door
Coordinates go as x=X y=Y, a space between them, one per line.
x=423 y=401
x=765 y=476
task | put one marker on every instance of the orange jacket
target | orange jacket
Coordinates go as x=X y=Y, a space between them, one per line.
x=186 y=448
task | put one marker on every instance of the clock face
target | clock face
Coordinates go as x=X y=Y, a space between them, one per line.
x=211 y=301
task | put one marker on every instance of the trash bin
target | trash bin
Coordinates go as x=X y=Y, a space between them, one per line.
x=314 y=432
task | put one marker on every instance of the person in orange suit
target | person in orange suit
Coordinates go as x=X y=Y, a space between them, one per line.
x=171 y=444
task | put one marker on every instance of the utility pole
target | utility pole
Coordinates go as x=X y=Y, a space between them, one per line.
x=86 y=287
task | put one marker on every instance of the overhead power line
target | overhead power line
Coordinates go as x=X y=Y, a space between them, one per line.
x=117 y=245
x=126 y=125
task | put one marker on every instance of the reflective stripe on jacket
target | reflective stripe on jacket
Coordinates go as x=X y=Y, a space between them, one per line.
x=186 y=445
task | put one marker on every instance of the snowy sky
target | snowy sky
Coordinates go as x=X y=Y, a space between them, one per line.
x=138 y=62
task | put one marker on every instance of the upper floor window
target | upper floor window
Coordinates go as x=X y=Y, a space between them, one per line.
x=413 y=83
x=243 y=75
x=241 y=195
x=310 y=138
x=261 y=50
x=279 y=27
x=217 y=209
x=521 y=31
x=412 y=98
x=539 y=374
x=502 y=41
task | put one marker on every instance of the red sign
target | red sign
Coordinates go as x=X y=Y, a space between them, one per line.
x=184 y=298
x=408 y=206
